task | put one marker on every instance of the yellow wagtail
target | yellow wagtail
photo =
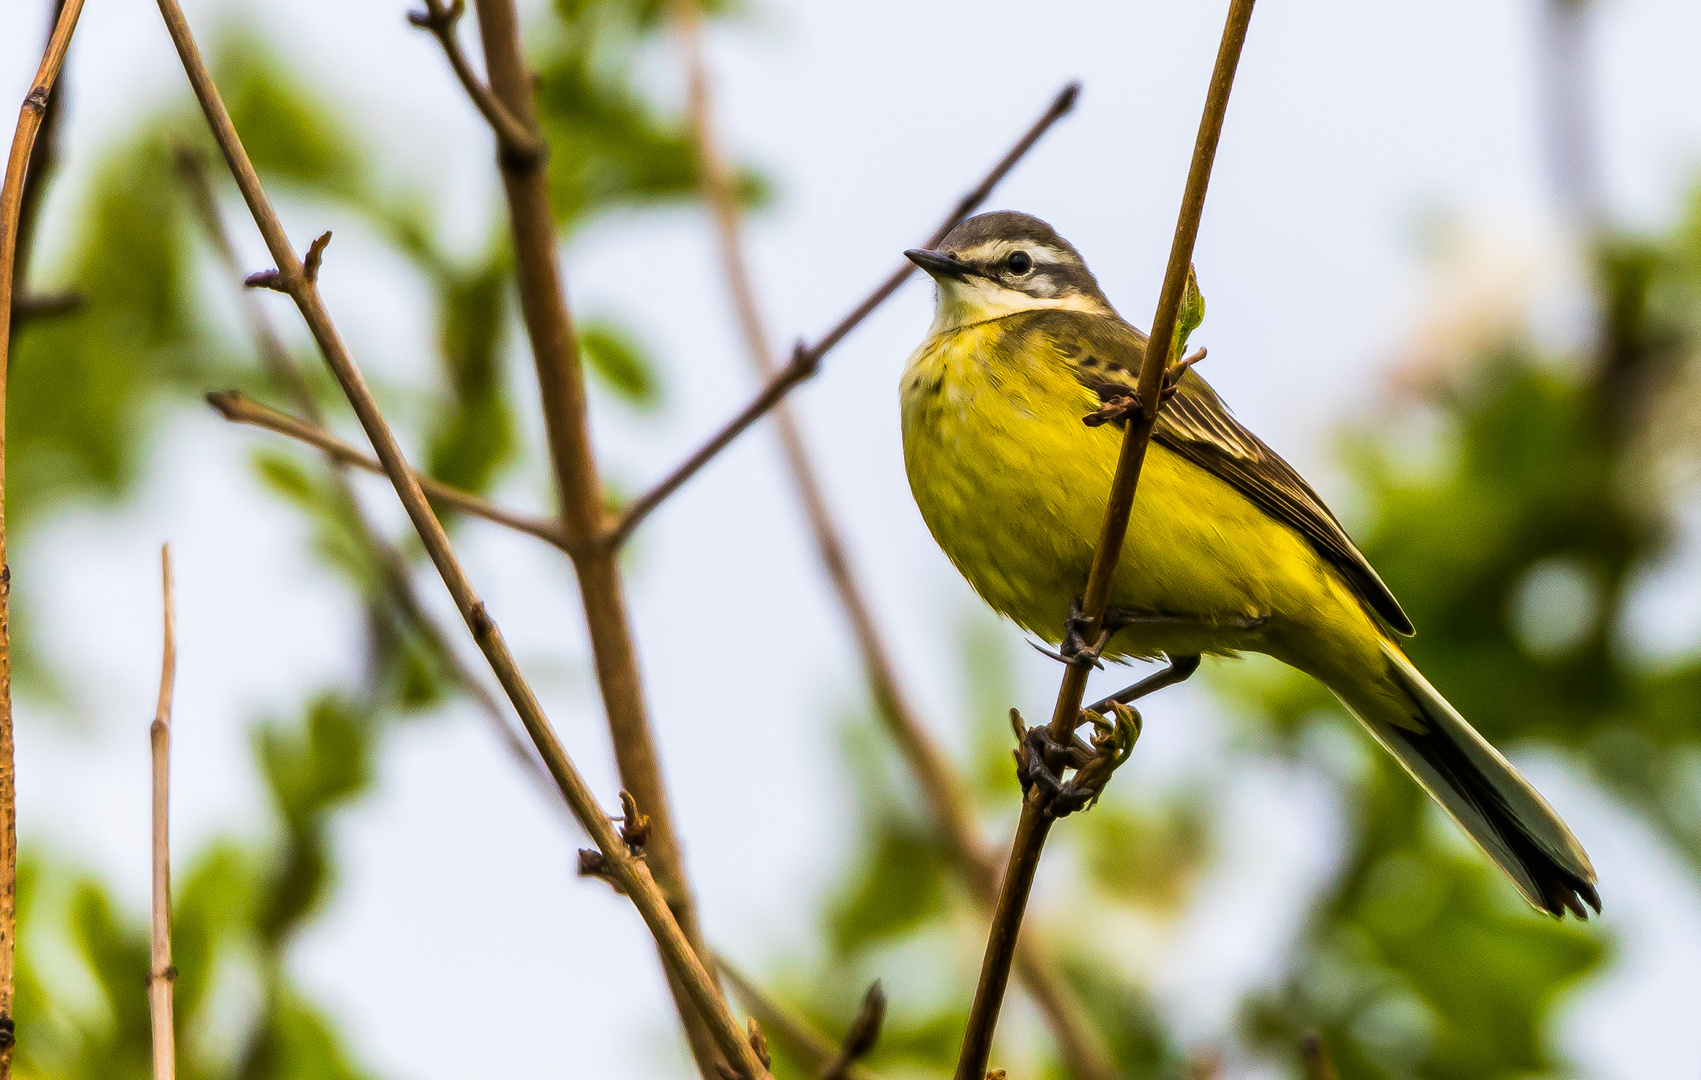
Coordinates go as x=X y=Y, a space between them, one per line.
x=1228 y=550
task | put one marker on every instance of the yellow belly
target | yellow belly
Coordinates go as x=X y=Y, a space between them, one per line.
x=1013 y=487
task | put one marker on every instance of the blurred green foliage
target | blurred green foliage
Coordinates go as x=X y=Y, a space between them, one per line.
x=1514 y=547
x=91 y=393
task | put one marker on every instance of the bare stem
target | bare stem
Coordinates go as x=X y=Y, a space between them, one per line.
x=626 y=866
x=239 y=408
x=1035 y=822
x=1080 y=1044
x=561 y=390
x=161 y=974
x=805 y=359
x=30 y=116
x=517 y=140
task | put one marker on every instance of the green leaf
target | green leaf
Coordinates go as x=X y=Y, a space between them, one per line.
x=619 y=362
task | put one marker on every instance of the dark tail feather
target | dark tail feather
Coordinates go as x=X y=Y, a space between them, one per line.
x=1512 y=823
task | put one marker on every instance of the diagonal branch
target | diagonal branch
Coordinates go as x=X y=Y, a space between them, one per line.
x=806 y=359
x=30 y=116
x=1035 y=822
x=623 y=862
x=239 y=408
x=284 y=371
x=1080 y=1044
x=43 y=159
x=161 y=974
x=518 y=142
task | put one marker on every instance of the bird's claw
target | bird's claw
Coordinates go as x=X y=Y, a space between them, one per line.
x=1040 y=758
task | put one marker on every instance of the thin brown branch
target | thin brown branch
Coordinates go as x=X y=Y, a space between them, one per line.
x=30 y=116
x=30 y=307
x=1082 y=1047
x=631 y=871
x=804 y=363
x=283 y=371
x=517 y=140
x=44 y=158
x=805 y=359
x=860 y=1038
x=561 y=390
x=1315 y=1055
x=161 y=974
x=239 y=408
x=1035 y=822
x=815 y=1051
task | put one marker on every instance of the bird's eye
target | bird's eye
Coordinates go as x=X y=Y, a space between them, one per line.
x=1019 y=262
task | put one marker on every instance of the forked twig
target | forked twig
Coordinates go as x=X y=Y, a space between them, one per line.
x=631 y=872
x=239 y=408
x=806 y=359
x=30 y=116
x=518 y=142
x=1035 y=822
x=798 y=1035
x=1079 y=1042
x=161 y=974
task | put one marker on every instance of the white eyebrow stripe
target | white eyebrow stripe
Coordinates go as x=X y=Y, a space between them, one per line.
x=994 y=251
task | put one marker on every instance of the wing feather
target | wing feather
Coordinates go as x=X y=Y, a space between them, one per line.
x=1106 y=354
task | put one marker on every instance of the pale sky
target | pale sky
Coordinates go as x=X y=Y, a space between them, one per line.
x=1351 y=123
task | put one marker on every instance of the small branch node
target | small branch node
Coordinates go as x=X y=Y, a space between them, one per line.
x=36 y=101
x=593 y=864
x=479 y=621
x=635 y=827
x=316 y=255
x=266 y=279
x=805 y=362
x=436 y=18
x=1116 y=410
x=759 y=1042
x=863 y=1034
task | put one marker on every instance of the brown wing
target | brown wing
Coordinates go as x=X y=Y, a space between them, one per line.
x=1106 y=353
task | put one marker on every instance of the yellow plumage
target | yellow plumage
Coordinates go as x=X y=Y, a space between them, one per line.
x=1227 y=550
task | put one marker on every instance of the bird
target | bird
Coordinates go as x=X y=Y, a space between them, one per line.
x=1228 y=549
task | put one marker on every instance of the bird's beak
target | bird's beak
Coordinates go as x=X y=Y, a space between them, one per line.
x=938 y=264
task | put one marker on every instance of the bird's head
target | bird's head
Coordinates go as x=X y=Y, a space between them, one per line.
x=1002 y=263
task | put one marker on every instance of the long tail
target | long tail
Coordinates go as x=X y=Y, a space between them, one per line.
x=1480 y=790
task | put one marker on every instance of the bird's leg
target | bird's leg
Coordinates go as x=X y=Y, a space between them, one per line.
x=1074 y=649
x=1179 y=669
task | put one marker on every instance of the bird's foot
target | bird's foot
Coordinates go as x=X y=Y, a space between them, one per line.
x=1123 y=406
x=1040 y=759
x=1074 y=649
